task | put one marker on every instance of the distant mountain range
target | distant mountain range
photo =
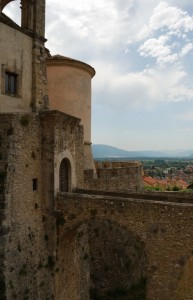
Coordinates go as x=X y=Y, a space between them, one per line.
x=105 y=151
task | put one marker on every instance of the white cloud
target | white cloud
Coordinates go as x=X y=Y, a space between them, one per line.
x=98 y=24
x=139 y=48
x=104 y=22
x=170 y=18
x=166 y=24
x=159 y=49
x=186 y=49
x=180 y=93
x=141 y=89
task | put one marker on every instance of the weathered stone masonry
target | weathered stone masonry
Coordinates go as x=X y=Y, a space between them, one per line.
x=30 y=146
x=24 y=244
x=115 y=176
x=165 y=229
x=33 y=22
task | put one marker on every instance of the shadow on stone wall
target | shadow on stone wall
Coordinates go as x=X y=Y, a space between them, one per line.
x=117 y=262
x=185 y=286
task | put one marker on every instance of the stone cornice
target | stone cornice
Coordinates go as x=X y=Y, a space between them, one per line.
x=56 y=114
x=58 y=60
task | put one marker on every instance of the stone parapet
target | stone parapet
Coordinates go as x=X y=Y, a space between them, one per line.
x=118 y=176
x=179 y=197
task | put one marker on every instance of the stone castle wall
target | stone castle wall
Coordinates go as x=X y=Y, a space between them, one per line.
x=25 y=251
x=62 y=137
x=117 y=259
x=122 y=177
x=29 y=149
x=40 y=100
x=69 y=244
x=176 y=197
x=33 y=23
x=73 y=274
x=164 y=229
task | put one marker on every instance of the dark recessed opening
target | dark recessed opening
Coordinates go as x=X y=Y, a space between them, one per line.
x=34 y=184
x=10 y=83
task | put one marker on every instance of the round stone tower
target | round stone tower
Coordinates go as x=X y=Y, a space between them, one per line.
x=69 y=90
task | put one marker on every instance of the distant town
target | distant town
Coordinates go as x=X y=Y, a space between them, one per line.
x=168 y=174
x=162 y=171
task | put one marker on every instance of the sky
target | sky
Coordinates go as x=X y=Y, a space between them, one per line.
x=142 y=51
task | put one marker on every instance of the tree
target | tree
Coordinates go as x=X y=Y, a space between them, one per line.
x=175 y=189
x=190 y=186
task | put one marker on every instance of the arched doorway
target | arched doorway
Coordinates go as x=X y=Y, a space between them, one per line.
x=64 y=176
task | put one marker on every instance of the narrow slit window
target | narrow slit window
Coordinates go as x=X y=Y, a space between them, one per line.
x=10 y=83
x=34 y=184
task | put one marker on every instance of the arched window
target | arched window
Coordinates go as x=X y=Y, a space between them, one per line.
x=12 y=10
x=3 y=3
x=64 y=176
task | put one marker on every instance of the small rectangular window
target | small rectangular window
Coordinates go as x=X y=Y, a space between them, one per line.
x=34 y=184
x=10 y=83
